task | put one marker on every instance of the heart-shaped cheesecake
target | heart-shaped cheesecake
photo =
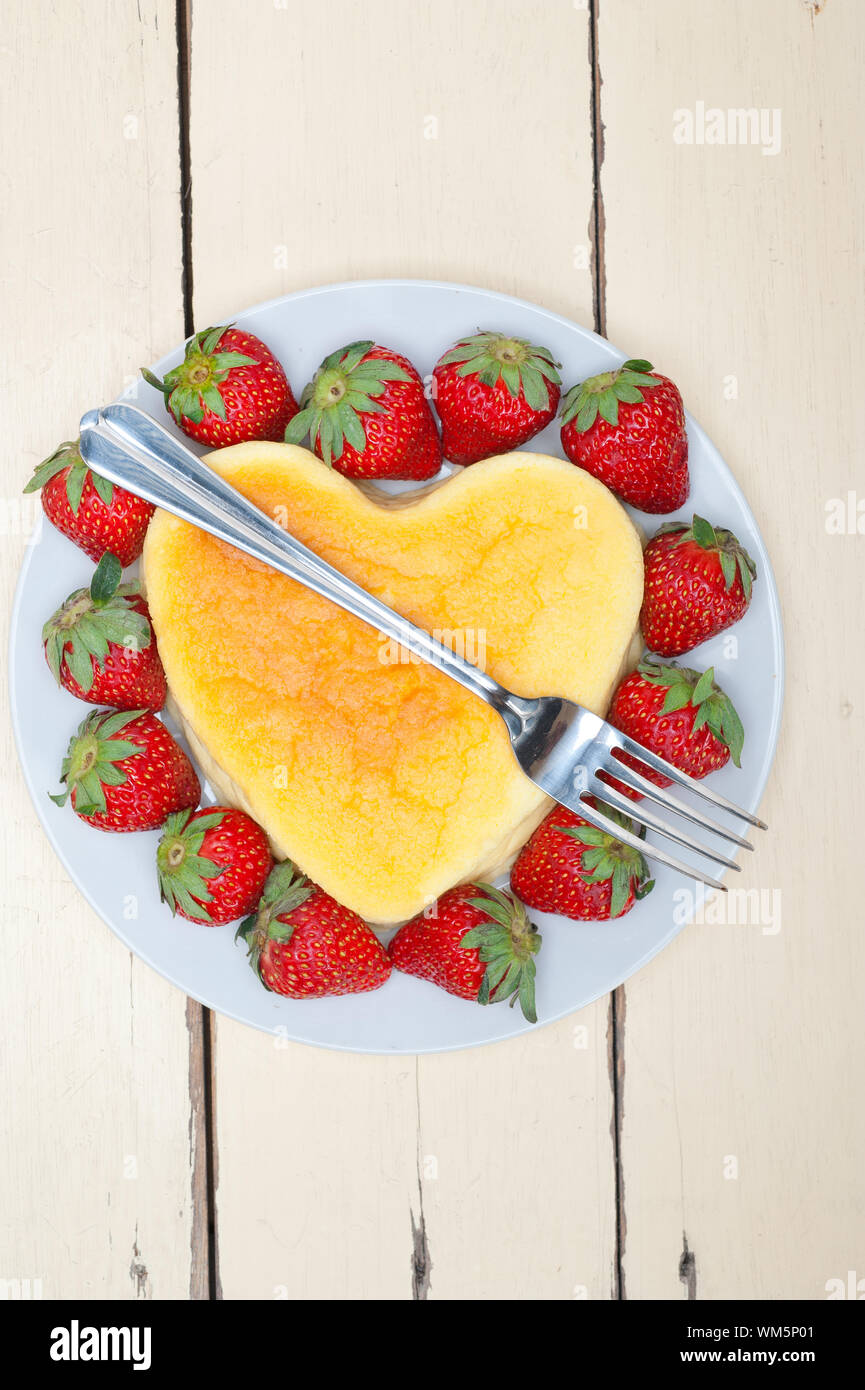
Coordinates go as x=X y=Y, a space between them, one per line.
x=382 y=778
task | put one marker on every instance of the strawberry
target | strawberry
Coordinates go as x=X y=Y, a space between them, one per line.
x=627 y=427
x=367 y=416
x=697 y=582
x=680 y=714
x=571 y=867
x=493 y=393
x=228 y=388
x=212 y=864
x=100 y=644
x=304 y=944
x=95 y=514
x=123 y=771
x=476 y=942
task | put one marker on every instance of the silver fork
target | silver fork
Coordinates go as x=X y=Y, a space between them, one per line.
x=560 y=746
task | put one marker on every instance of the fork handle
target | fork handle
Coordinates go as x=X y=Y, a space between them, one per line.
x=128 y=447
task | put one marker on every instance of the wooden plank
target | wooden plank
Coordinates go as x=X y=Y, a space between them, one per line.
x=96 y=1147
x=739 y=272
x=448 y=142
x=517 y=1164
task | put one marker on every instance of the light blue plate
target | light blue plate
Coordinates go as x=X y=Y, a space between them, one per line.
x=578 y=962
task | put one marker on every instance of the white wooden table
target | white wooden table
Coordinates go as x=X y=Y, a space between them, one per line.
x=700 y=1133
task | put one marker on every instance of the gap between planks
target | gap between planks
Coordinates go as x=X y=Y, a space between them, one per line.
x=617 y=999
x=204 y=1276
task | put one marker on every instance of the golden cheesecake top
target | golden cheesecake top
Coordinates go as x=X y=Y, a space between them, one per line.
x=384 y=779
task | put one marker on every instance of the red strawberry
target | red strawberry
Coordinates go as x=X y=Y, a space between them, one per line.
x=228 y=388
x=681 y=715
x=367 y=416
x=304 y=944
x=125 y=772
x=92 y=512
x=698 y=581
x=476 y=942
x=571 y=867
x=100 y=644
x=493 y=393
x=627 y=427
x=212 y=864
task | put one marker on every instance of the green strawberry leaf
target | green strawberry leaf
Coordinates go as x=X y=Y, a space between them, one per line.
x=154 y=381
x=337 y=430
x=377 y=370
x=535 y=389
x=676 y=698
x=587 y=415
x=185 y=404
x=75 y=481
x=352 y=429
x=608 y=407
x=527 y=993
x=732 y=731
x=701 y=717
x=325 y=437
x=703 y=533
x=728 y=568
x=630 y=394
x=286 y=889
x=298 y=426
x=638 y=379
x=206 y=341
x=746 y=573
x=224 y=362
x=104 y=489
x=79 y=664
x=704 y=687
x=48 y=469
x=211 y=397
x=586 y=834
x=621 y=888
x=349 y=357
x=106 y=578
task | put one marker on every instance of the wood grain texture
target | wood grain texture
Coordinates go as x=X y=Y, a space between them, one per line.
x=740 y=1045
x=454 y=141
x=448 y=142
x=386 y=139
x=517 y=1166
x=95 y=1135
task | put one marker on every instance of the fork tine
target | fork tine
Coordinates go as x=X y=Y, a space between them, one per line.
x=629 y=778
x=661 y=856
x=638 y=812
x=683 y=780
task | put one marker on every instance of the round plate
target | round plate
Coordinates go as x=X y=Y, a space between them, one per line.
x=579 y=961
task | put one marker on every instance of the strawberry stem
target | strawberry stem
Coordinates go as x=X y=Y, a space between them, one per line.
x=193 y=387
x=600 y=395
